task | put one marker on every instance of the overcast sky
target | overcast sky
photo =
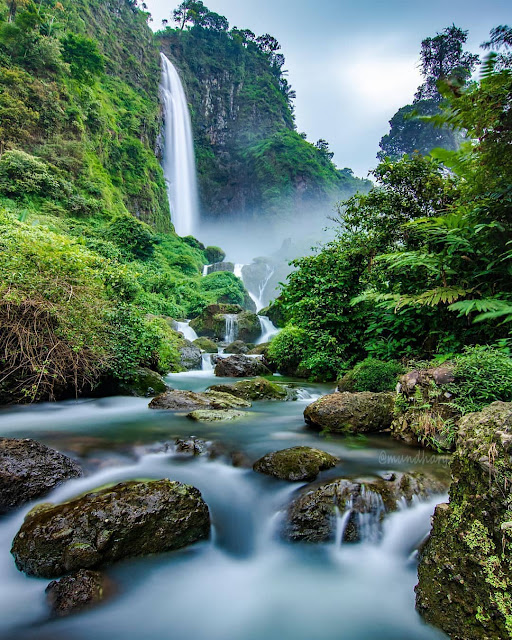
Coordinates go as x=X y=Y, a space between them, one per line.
x=352 y=63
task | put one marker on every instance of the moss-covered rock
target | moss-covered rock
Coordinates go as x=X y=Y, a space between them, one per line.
x=241 y=367
x=81 y=590
x=212 y=322
x=190 y=356
x=351 y=412
x=249 y=327
x=237 y=347
x=214 y=254
x=424 y=413
x=129 y=519
x=257 y=389
x=465 y=570
x=295 y=464
x=145 y=383
x=210 y=415
x=259 y=350
x=190 y=401
x=207 y=345
x=29 y=470
x=312 y=516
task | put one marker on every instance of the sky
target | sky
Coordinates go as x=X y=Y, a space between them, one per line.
x=352 y=63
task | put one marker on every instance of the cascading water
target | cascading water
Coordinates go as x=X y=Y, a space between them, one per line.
x=179 y=160
x=257 y=298
x=268 y=330
x=231 y=327
x=186 y=330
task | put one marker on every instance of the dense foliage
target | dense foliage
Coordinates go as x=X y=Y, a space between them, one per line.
x=422 y=264
x=250 y=158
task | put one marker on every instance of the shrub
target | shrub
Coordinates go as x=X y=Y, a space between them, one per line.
x=22 y=174
x=483 y=375
x=223 y=286
x=135 y=239
x=214 y=254
x=287 y=348
x=372 y=375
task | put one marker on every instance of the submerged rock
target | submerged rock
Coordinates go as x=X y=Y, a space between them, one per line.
x=257 y=389
x=295 y=464
x=29 y=470
x=240 y=367
x=81 y=590
x=227 y=415
x=191 y=401
x=363 y=412
x=104 y=526
x=191 y=446
x=190 y=356
x=315 y=514
x=465 y=569
x=207 y=345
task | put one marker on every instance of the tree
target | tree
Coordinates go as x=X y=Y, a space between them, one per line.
x=214 y=21
x=189 y=11
x=83 y=56
x=323 y=146
x=443 y=58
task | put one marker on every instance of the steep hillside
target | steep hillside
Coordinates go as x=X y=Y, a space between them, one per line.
x=250 y=157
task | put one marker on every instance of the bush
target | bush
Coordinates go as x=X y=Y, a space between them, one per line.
x=483 y=375
x=135 y=239
x=223 y=286
x=22 y=174
x=214 y=254
x=372 y=375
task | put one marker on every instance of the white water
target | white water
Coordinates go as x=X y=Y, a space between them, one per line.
x=231 y=328
x=256 y=297
x=179 y=160
x=206 y=362
x=205 y=269
x=186 y=330
x=268 y=330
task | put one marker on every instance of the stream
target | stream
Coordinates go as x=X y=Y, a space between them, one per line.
x=245 y=582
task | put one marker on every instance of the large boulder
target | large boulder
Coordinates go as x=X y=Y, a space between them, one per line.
x=104 y=526
x=237 y=347
x=81 y=590
x=295 y=464
x=211 y=322
x=29 y=470
x=190 y=401
x=425 y=413
x=257 y=389
x=248 y=327
x=363 y=412
x=465 y=569
x=144 y=383
x=190 y=356
x=361 y=503
x=241 y=367
x=206 y=345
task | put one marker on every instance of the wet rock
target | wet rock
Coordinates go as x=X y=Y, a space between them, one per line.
x=190 y=356
x=295 y=464
x=237 y=347
x=190 y=401
x=101 y=527
x=29 y=470
x=312 y=517
x=212 y=322
x=424 y=409
x=240 y=367
x=191 y=446
x=144 y=384
x=207 y=345
x=221 y=266
x=363 y=412
x=227 y=415
x=214 y=254
x=260 y=350
x=257 y=389
x=240 y=460
x=465 y=569
x=81 y=590
x=248 y=327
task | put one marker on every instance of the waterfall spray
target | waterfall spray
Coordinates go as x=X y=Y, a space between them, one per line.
x=179 y=160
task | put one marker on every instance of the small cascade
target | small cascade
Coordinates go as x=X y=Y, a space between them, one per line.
x=231 y=327
x=257 y=298
x=207 y=362
x=179 y=161
x=370 y=517
x=341 y=523
x=238 y=271
x=186 y=330
x=206 y=269
x=268 y=330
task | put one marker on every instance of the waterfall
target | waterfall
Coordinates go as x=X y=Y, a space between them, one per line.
x=268 y=330
x=257 y=298
x=231 y=327
x=179 y=161
x=207 y=362
x=206 y=269
x=186 y=330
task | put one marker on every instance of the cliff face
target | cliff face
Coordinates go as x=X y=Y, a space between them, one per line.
x=250 y=158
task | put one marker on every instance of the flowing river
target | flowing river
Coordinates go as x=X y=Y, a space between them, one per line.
x=245 y=583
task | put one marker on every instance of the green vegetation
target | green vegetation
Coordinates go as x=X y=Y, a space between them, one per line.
x=422 y=264
x=250 y=158
x=372 y=375
x=90 y=271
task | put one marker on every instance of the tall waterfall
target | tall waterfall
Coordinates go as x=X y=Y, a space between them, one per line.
x=179 y=160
